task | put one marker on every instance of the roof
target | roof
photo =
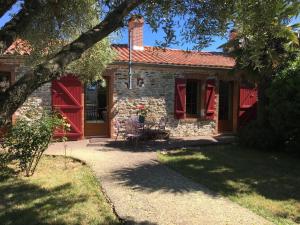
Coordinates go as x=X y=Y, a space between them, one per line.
x=18 y=47
x=160 y=56
x=152 y=55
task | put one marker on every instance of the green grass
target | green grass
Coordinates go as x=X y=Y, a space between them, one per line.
x=53 y=195
x=266 y=183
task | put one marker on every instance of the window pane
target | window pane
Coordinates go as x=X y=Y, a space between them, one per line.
x=95 y=102
x=192 y=97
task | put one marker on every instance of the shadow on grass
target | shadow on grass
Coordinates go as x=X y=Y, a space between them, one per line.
x=24 y=203
x=224 y=170
x=229 y=170
x=6 y=173
x=29 y=204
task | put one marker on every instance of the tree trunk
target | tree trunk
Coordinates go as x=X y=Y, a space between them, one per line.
x=5 y=5
x=53 y=68
x=19 y=22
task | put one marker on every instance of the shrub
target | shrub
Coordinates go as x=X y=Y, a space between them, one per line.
x=28 y=139
x=256 y=135
x=284 y=107
x=4 y=160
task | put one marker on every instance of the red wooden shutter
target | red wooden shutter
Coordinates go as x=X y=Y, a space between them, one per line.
x=180 y=98
x=66 y=100
x=248 y=103
x=210 y=99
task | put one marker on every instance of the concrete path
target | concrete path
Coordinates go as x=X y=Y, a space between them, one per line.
x=145 y=192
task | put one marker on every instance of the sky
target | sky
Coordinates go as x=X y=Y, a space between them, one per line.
x=149 y=37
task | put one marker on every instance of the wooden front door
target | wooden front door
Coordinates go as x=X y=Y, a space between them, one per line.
x=225 y=106
x=67 y=101
x=96 y=109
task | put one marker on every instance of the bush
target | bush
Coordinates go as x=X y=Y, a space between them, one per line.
x=28 y=139
x=256 y=135
x=284 y=107
x=4 y=160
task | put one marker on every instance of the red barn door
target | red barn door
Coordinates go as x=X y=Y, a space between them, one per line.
x=67 y=100
x=248 y=104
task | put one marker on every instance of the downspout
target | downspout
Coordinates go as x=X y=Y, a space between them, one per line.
x=130 y=60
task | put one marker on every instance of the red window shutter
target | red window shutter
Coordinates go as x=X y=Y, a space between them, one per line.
x=248 y=103
x=210 y=99
x=180 y=98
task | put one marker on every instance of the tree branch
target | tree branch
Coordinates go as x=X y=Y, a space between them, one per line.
x=19 y=22
x=5 y=5
x=53 y=68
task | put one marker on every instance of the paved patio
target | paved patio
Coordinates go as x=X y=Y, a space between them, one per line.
x=143 y=191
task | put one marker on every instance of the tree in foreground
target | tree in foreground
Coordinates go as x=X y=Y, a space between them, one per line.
x=70 y=30
x=61 y=32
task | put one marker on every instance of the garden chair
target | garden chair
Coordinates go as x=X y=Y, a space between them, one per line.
x=133 y=129
x=162 y=124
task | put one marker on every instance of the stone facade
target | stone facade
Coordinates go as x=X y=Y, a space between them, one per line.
x=41 y=98
x=154 y=87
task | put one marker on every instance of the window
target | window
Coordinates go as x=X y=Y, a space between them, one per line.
x=95 y=102
x=193 y=97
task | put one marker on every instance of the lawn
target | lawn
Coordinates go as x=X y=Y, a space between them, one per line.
x=266 y=183
x=53 y=195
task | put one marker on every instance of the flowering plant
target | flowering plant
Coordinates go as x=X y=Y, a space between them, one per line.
x=142 y=110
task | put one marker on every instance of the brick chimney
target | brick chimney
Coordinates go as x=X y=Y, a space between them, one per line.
x=135 y=32
x=233 y=34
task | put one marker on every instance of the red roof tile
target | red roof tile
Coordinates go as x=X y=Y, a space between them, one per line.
x=153 y=55
x=18 y=47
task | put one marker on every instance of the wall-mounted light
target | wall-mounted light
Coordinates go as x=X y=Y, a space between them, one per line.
x=140 y=82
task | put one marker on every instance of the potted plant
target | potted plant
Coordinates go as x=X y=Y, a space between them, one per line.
x=142 y=113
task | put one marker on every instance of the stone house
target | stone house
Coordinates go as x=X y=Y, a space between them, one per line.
x=196 y=93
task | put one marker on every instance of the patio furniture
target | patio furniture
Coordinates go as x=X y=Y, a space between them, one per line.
x=133 y=129
x=162 y=124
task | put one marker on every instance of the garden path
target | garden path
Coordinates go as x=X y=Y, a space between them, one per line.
x=142 y=191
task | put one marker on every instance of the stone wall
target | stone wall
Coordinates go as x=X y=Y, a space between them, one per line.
x=154 y=87
x=41 y=98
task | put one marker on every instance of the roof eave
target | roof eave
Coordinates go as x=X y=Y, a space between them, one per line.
x=174 y=65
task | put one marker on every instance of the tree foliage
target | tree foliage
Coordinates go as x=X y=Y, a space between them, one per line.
x=57 y=25
x=264 y=41
x=285 y=104
x=264 y=35
x=62 y=31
